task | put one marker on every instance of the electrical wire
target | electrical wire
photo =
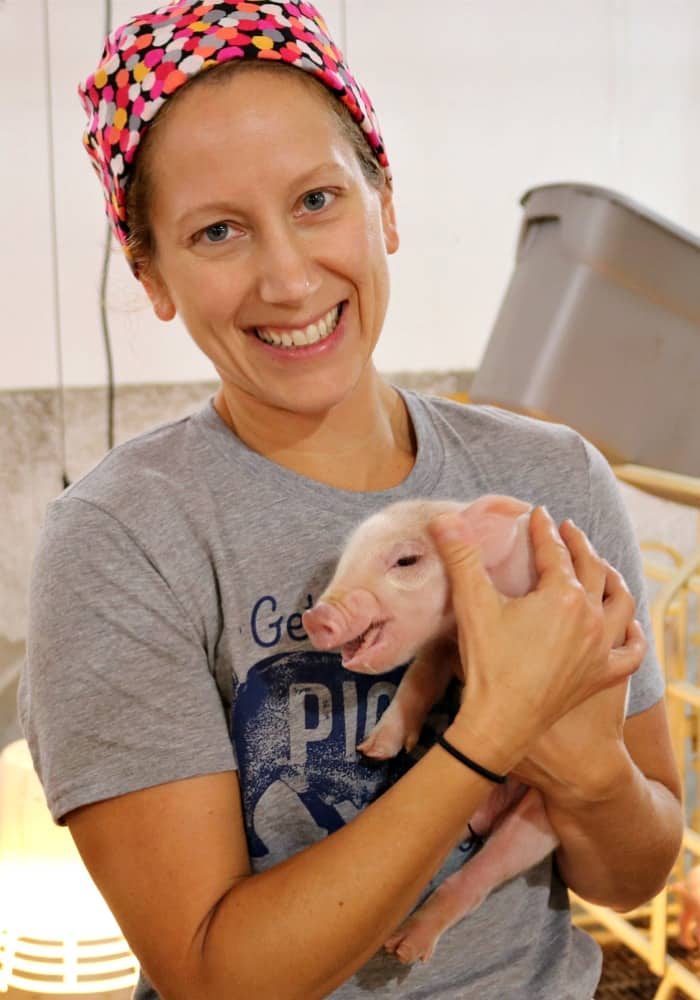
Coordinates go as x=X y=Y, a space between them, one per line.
x=104 y=279
x=104 y=321
x=53 y=234
x=104 y=282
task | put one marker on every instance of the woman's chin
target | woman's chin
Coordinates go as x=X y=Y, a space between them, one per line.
x=318 y=395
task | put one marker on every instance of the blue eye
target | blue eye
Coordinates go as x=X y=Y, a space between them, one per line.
x=314 y=201
x=217 y=233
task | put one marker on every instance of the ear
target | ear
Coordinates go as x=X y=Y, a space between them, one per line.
x=493 y=533
x=157 y=291
x=492 y=521
x=500 y=528
x=391 y=233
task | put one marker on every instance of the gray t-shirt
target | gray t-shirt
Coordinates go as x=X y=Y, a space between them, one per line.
x=166 y=641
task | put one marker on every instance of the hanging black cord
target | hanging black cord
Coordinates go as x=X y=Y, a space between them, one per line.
x=104 y=319
x=104 y=281
x=54 y=249
x=105 y=267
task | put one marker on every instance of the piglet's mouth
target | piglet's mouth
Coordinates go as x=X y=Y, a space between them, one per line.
x=354 y=651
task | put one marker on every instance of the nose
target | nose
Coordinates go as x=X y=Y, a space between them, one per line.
x=332 y=622
x=286 y=273
x=323 y=626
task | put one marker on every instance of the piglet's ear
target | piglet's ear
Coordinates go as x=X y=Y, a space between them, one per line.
x=493 y=535
x=493 y=526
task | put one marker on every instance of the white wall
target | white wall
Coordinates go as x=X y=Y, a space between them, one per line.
x=478 y=99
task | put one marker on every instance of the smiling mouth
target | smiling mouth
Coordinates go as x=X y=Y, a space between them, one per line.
x=314 y=333
x=362 y=643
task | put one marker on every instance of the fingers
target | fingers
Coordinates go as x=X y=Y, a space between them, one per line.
x=552 y=558
x=590 y=569
x=618 y=607
x=471 y=585
x=627 y=658
x=601 y=582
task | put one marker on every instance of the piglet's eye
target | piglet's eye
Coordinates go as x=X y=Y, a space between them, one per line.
x=407 y=560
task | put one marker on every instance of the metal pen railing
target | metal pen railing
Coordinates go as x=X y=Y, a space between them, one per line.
x=677 y=639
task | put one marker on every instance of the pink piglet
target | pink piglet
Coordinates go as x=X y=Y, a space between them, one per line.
x=389 y=602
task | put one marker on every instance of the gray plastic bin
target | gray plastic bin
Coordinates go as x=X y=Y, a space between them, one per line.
x=600 y=327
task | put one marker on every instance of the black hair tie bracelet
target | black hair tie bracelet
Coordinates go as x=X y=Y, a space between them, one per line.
x=499 y=779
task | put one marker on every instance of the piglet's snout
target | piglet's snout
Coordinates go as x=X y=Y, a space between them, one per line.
x=322 y=626
x=333 y=622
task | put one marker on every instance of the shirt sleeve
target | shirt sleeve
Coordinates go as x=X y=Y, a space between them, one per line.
x=116 y=694
x=612 y=534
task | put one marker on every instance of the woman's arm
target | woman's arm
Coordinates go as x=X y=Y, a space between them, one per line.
x=618 y=849
x=172 y=863
x=612 y=789
x=172 y=860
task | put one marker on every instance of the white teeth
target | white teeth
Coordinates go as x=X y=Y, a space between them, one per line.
x=302 y=338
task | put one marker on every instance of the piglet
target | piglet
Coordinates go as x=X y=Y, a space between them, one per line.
x=689 y=892
x=389 y=598
x=389 y=602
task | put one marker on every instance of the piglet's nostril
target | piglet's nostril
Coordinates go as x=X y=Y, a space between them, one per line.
x=318 y=623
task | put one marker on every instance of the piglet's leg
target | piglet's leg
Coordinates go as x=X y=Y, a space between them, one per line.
x=421 y=686
x=689 y=926
x=522 y=839
x=686 y=935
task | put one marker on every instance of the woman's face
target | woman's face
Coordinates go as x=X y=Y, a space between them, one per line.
x=271 y=244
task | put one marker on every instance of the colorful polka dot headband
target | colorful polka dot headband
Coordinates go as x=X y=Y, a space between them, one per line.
x=150 y=57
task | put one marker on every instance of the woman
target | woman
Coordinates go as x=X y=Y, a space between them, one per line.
x=202 y=755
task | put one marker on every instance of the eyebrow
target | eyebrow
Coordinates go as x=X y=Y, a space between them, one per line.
x=225 y=207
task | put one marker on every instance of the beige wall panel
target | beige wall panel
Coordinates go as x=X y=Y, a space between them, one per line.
x=27 y=332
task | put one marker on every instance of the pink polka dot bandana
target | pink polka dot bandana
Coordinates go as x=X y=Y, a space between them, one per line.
x=152 y=55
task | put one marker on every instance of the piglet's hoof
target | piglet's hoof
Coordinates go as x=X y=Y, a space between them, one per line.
x=386 y=739
x=380 y=746
x=383 y=743
x=413 y=941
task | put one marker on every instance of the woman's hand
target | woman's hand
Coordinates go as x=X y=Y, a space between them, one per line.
x=583 y=753
x=533 y=659
x=582 y=756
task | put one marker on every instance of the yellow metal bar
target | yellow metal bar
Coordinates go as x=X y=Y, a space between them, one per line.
x=677 y=975
x=669 y=615
x=680 y=578
x=658 y=933
x=668 y=485
x=624 y=931
x=673 y=973
x=666 y=989
x=691 y=841
x=684 y=691
x=665 y=549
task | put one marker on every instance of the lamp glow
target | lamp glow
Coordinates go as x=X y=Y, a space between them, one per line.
x=57 y=935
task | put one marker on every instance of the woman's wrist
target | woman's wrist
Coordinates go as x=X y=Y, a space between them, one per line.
x=480 y=746
x=473 y=765
x=599 y=780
